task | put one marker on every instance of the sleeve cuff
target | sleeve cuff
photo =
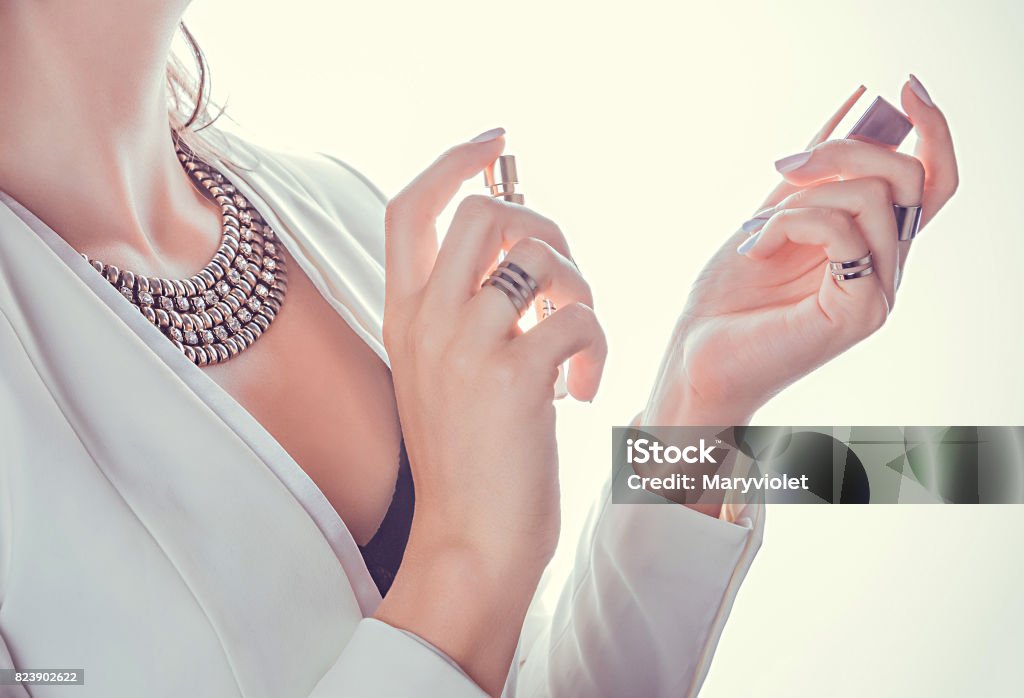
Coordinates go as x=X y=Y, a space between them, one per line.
x=381 y=660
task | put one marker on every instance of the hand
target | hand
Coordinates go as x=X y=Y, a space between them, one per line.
x=758 y=320
x=475 y=400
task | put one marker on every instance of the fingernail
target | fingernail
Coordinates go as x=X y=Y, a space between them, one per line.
x=489 y=135
x=757 y=222
x=749 y=243
x=919 y=90
x=791 y=162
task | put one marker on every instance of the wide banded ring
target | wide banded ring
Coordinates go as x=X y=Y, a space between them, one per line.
x=908 y=221
x=512 y=280
x=853 y=269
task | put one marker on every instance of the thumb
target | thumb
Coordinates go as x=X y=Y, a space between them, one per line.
x=934 y=147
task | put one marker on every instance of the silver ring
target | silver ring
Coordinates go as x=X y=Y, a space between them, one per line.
x=520 y=285
x=852 y=269
x=908 y=221
x=515 y=283
x=509 y=290
x=520 y=272
x=866 y=271
x=839 y=266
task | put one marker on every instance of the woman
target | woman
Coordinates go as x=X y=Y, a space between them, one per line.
x=208 y=517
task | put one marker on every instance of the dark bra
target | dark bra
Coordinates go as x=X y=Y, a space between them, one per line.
x=383 y=553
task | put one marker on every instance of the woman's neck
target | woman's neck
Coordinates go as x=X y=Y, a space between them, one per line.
x=84 y=136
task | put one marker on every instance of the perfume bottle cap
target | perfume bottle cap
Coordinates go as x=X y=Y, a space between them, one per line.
x=882 y=123
x=504 y=184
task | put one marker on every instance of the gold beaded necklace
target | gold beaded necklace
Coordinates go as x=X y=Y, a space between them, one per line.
x=223 y=309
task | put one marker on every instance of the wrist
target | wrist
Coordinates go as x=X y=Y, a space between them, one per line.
x=676 y=400
x=675 y=405
x=468 y=603
x=499 y=552
x=499 y=537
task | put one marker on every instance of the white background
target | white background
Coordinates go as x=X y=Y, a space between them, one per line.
x=648 y=131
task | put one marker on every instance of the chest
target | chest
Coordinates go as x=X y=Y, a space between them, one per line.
x=328 y=400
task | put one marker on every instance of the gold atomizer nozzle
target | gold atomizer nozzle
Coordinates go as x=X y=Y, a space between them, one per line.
x=503 y=186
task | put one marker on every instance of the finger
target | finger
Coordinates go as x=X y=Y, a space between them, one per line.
x=868 y=201
x=410 y=235
x=784 y=188
x=934 y=148
x=483 y=227
x=571 y=334
x=837 y=233
x=830 y=126
x=852 y=159
x=491 y=316
x=832 y=229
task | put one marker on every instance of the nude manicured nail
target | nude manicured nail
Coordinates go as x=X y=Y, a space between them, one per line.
x=749 y=243
x=757 y=222
x=489 y=135
x=792 y=162
x=919 y=90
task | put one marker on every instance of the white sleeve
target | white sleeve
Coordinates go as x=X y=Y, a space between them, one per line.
x=9 y=690
x=381 y=660
x=644 y=607
x=7 y=423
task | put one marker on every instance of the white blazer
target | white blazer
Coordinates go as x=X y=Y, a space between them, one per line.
x=154 y=534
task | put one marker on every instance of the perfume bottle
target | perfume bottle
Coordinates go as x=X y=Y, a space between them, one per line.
x=501 y=178
x=882 y=123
